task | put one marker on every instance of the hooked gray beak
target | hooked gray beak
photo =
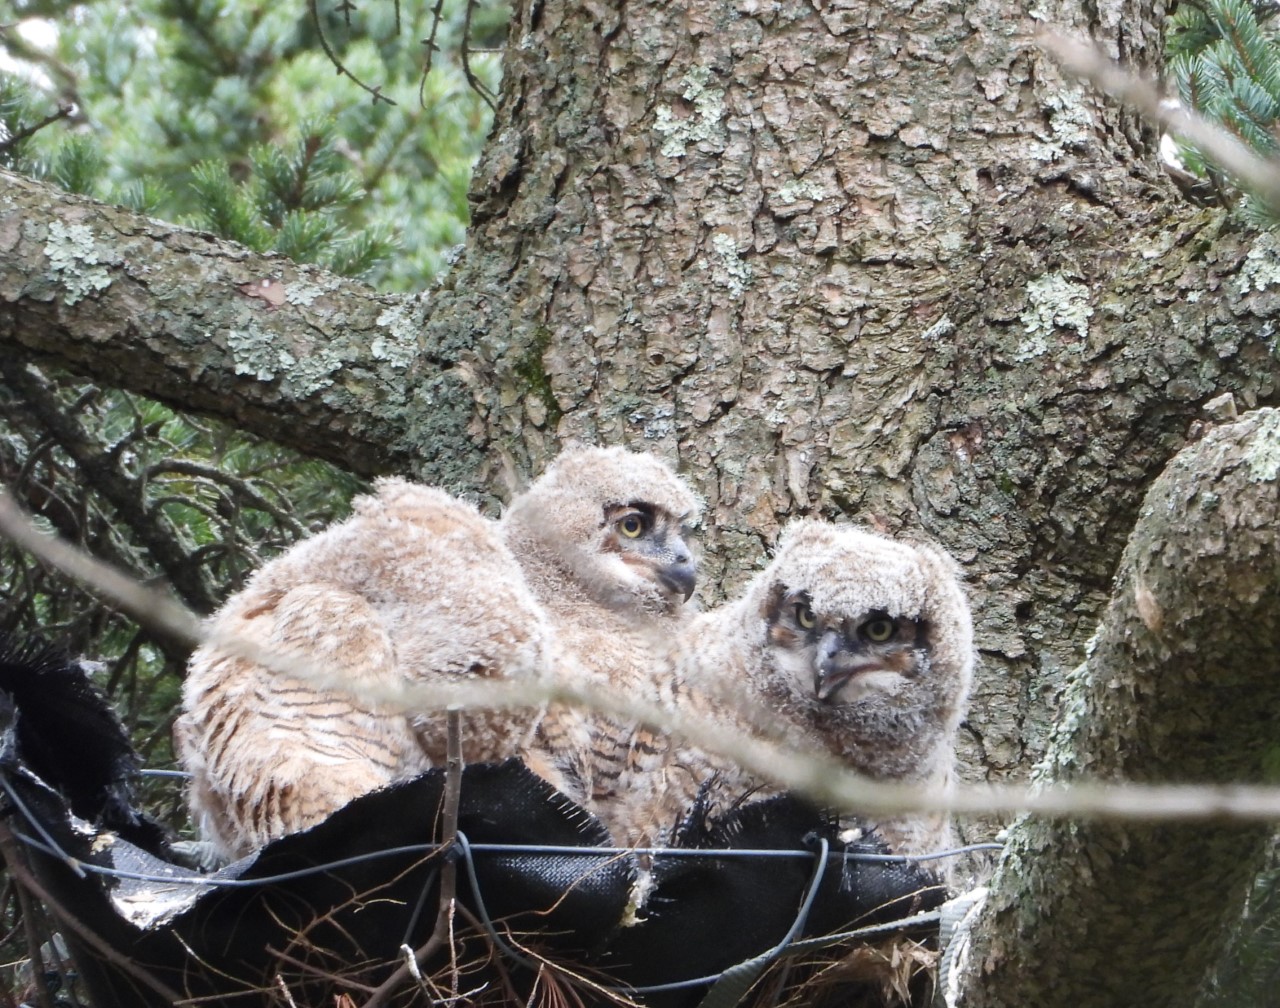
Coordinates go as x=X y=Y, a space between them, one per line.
x=679 y=578
x=834 y=666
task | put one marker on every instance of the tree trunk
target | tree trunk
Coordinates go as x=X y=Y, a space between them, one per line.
x=1181 y=683
x=878 y=261
x=872 y=261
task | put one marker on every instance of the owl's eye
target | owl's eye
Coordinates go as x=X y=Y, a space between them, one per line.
x=805 y=616
x=631 y=526
x=879 y=630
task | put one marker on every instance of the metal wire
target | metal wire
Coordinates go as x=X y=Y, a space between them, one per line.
x=733 y=852
x=210 y=882
x=53 y=849
x=482 y=911
x=749 y=969
x=802 y=915
x=75 y=865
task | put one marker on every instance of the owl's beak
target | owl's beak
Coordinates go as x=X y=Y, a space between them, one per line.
x=827 y=682
x=837 y=664
x=828 y=676
x=679 y=577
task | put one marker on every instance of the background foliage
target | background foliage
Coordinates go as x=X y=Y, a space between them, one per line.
x=1224 y=61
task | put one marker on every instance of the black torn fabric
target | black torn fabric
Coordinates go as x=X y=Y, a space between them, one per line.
x=734 y=908
x=69 y=735
x=327 y=911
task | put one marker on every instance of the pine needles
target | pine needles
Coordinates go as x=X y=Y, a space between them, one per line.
x=1224 y=58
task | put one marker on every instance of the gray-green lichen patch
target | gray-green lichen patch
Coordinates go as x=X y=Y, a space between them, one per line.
x=1053 y=301
x=703 y=124
x=656 y=420
x=254 y=353
x=435 y=436
x=1071 y=123
x=798 y=190
x=260 y=355
x=75 y=262
x=1060 y=761
x=1263 y=454
x=312 y=373
x=1261 y=267
x=401 y=323
x=729 y=269
x=939 y=330
x=303 y=293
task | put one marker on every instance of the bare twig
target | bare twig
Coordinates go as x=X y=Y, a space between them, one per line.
x=12 y=855
x=242 y=487
x=153 y=610
x=376 y=92
x=103 y=472
x=448 y=873
x=284 y=989
x=429 y=43
x=65 y=111
x=452 y=799
x=149 y=608
x=477 y=85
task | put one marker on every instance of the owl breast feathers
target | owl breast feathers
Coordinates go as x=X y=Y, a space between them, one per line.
x=416 y=587
x=849 y=644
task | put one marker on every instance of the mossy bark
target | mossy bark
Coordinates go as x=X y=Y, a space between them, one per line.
x=288 y=352
x=1181 y=684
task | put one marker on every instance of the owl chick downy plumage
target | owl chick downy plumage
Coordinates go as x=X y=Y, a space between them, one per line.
x=415 y=587
x=601 y=539
x=849 y=644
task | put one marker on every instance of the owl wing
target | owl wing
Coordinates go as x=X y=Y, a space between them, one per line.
x=272 y=754
x=415 y=590
x=659 y=778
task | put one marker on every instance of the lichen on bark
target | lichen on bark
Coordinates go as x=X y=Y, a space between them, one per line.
x=1180 y=685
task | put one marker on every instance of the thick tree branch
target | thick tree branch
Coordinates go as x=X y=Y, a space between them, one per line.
x=288 y=352
x=1183 y=683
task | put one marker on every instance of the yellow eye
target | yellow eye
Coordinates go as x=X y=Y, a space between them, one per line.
x=805 y=616
x=631 y=526
x=879 y=630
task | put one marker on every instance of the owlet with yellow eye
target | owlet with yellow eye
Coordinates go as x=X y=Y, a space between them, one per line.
x=601 y=539
x=849 y=644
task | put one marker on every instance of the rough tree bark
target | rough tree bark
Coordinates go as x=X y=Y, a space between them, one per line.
x=871 y=260
x=1182 y=682
x=295 y=354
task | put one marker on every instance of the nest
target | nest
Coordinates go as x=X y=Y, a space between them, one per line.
x=483 y=888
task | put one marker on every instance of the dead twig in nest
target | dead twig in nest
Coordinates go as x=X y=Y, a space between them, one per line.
x=448 y=878
x=896 y=973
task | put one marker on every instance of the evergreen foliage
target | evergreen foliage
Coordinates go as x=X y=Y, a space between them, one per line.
x=1249 y=974
x=166 y=91
x=1224 y=59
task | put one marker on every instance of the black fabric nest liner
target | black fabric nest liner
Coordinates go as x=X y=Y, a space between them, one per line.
x=329 y=911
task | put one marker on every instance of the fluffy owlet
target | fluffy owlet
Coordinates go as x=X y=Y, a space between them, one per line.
x=849 y=643
x=415 y=586
x=601 y=539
